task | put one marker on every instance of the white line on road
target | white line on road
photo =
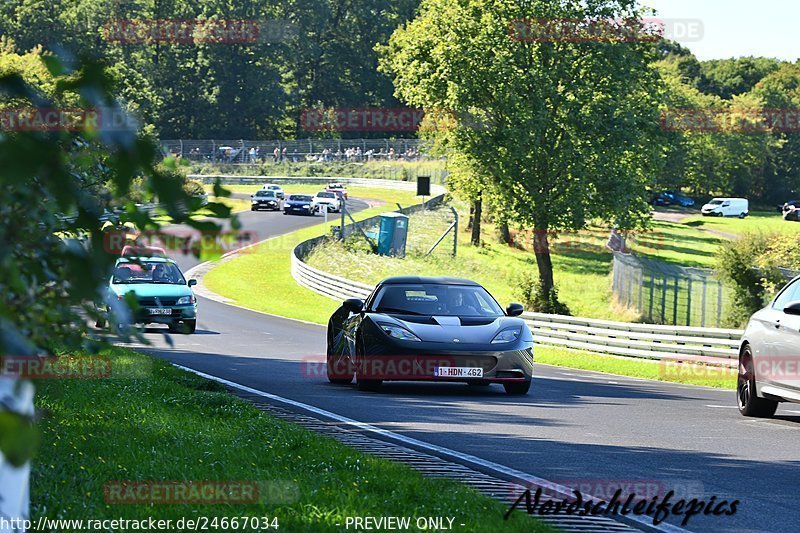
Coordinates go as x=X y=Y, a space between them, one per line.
x=521 y=477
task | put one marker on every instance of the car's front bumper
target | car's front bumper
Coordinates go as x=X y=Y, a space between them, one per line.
x=402 y=363
x=159 y=315
x=299 y=210
x=270 y=204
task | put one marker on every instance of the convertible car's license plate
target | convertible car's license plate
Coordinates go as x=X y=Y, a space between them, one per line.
x=160 y=310
x=457 y=372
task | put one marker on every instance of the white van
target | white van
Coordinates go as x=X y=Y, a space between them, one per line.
x=726 y=207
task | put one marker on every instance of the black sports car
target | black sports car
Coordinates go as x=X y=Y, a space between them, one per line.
x=429 y=329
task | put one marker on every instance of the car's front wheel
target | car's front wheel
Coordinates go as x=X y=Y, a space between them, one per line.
x=340 y=372
x=748 y=401
x=186 y=327
x=517 y=388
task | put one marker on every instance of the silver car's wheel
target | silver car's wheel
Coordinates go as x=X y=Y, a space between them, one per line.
x=748 y=401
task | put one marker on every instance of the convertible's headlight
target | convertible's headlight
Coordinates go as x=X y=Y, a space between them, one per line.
x=507 y=335
x=185 y=300
x=399 y=333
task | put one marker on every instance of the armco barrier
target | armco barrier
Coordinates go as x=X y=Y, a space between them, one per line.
x=712 y=346
x=231 y=179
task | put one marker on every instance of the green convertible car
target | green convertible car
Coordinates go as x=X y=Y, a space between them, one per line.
x=162 y=295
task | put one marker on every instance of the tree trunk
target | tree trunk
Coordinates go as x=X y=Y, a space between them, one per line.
x=471 y=216
x=14 y=481
x=475 y=239
x=541 y=248
x=505 y=234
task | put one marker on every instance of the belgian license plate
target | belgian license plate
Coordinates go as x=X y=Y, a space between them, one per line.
x=160 y=311
x=457 y=372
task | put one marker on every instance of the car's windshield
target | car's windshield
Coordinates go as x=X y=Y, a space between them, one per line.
x=273 y=187
x=326 y=195
x=300 y=198
x=266 y=193
x=715 y=202
x=436 y=299
x=147 y=272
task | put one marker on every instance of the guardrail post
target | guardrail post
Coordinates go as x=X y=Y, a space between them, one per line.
x=675 y=302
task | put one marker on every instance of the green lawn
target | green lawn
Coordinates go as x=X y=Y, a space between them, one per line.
x=716 y=377
x=763 y=221
x=154 y=423
x=395 y=170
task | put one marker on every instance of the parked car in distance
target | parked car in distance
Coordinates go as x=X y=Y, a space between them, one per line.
x=162 y=294
x=769 y=353
x=277 y=188
x=265 y=199
x=791 y=203
x=672 y=198
x=329 y=199
x=726 y=207
x=301 y=204
x=338 y=188
x=790 y=210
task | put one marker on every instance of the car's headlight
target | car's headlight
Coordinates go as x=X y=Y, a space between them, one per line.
x=306 y=206
x=185 y=300
x=398 y=333
x=507 y=335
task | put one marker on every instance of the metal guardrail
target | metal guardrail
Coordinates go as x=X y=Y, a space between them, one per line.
x=711 y=346
x=233 y=179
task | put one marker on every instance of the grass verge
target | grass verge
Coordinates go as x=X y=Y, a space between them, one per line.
x=686 y=374
x=158 y=423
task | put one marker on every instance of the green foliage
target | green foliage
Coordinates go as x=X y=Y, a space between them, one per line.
x=57 y=188
x=530 y=292
x=752 y=266
x=314 y=53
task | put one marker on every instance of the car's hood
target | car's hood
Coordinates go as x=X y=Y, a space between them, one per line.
x=708 y=207
x=326 y=200
x=151 y=289
x=468 y=330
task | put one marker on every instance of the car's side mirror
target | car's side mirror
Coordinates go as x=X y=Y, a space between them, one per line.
x=792 y=308
x=354 y=305
x=192 y=282
x=514 y=309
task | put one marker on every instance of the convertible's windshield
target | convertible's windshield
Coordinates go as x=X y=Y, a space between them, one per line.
x=436 y=299
x=300 y=198
x=148 y=272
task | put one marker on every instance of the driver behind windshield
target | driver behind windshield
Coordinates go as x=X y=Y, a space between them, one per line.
x=458 y=306
x=163 y=274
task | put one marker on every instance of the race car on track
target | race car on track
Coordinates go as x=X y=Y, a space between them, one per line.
x=302 y=204
x=161 y=293
x=429 y=329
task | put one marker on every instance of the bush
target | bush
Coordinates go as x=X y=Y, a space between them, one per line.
x=752 y=267
x=529 y=291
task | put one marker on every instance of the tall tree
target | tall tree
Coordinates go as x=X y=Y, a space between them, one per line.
x=564 y=127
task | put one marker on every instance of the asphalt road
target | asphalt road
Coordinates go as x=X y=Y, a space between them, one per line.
x=578 y=428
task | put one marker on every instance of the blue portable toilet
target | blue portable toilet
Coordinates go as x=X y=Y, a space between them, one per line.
x=392 y=234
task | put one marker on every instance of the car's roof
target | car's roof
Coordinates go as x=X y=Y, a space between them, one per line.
x=146 y=259
x=435 y=280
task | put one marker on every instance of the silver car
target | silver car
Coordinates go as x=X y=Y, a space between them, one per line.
x=769 y=358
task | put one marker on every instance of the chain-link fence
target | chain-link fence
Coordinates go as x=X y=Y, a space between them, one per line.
x=295 y=151
x=669 y=294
